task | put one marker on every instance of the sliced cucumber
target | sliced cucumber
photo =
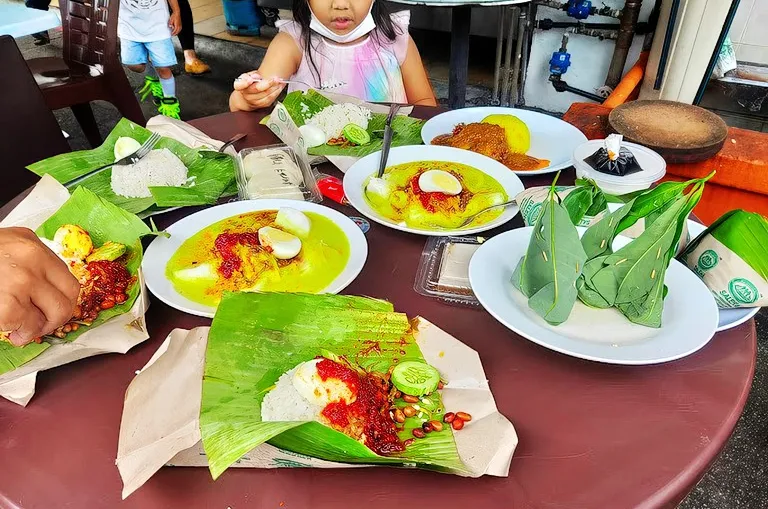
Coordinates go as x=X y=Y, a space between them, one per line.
x=415 y=378
x=356 y=134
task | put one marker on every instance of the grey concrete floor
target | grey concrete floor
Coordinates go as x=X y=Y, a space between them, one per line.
x=739 y=477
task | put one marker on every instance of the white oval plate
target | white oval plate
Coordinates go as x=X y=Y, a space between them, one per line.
x=551 y=138
x=356 y=176
x=162 y=249
x=689 y=319
x=729 y=318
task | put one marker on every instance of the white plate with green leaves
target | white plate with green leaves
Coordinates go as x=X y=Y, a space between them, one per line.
x=211 y=175
x=689 y=318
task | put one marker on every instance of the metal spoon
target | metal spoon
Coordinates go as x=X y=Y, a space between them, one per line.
x=471 y=218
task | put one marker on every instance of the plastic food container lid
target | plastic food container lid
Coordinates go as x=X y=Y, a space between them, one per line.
x=275 y=171
x=653 y=166
x=443 y=272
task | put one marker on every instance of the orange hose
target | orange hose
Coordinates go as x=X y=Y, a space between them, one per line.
x=628 y=83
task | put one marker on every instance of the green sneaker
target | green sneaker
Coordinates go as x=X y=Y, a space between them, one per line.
x=151 y=87
x=169 y=107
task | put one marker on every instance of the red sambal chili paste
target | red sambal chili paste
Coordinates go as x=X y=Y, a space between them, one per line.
x=107 y=286
x=370 y=410
x=225 y=244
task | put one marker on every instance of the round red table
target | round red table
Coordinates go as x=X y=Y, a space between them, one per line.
x=591 y=435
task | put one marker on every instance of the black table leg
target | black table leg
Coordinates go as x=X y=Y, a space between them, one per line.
x=457 y=75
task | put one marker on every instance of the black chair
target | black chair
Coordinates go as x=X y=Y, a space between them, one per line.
x=29 y=129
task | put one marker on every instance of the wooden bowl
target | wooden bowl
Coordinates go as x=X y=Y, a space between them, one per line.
x=680 y=133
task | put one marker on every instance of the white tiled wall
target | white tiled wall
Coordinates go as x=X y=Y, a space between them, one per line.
x=749 y=31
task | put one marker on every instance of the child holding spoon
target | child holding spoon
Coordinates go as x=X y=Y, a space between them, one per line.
x=353 y=47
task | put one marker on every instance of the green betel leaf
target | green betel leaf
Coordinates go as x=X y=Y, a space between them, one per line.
x=577 y=202
x=586 y=288
x=212 y=174
x=598 y=239
x=652 y=201
x=637 y=266
x=255 y=338
x=553 y=262
x=103 y=221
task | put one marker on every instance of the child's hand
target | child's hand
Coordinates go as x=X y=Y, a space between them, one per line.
x=175 y=23
x=252 y=92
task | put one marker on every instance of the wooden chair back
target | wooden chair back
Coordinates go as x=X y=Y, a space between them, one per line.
x=90 y=34
x=29 y=130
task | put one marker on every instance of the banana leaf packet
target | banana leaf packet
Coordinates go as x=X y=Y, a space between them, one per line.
x=585 y=202
x=731 y=257
x=632 y=278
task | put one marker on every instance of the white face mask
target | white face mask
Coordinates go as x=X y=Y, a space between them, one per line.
x=360 y=30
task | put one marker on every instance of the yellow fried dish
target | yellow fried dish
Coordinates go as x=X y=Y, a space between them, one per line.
x=273 y=251
x=434 y=194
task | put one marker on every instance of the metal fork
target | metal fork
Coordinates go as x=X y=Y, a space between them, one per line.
x=471 y=218
x=326 y=86
x=129 y=159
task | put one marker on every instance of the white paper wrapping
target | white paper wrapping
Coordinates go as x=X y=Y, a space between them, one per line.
x=283 y=126
x=117 y=335
x=161 y=415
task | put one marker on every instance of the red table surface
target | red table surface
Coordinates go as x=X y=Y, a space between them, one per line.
x=591 y=435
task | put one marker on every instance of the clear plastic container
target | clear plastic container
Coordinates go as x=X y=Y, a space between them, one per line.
x=653 y=168
x=275 y=171
x=443 y=272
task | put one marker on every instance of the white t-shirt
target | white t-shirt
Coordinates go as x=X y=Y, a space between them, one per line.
x=144 y=20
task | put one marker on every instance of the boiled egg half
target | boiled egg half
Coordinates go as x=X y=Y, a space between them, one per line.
x=125 y=146
x=293 y=221
x=439 y=181
x=282 y=245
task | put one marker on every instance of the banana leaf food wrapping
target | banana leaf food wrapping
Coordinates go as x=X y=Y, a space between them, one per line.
x=297 y=119
x=313 y=381
x=558 y=268
x=731 y=257
x=101 y=244
x=613 y=158
x=210 y=174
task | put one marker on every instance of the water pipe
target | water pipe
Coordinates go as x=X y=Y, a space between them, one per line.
x=628 y=83
x=628 y=22
x=580 y=9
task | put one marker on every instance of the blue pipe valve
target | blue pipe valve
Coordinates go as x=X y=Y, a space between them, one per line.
x=579 y=9
x=561 y=60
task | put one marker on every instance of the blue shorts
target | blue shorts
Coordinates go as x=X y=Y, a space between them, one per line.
x=161 y=53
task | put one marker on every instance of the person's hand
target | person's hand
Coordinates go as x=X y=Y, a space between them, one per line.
x=252 y=92
x=38 y=293
x=175 y=23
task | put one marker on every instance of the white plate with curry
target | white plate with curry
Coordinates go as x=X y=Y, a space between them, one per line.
x=431 y=190
x=245 y=246
x=552 y=140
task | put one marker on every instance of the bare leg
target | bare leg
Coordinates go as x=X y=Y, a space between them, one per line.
x=137 y=68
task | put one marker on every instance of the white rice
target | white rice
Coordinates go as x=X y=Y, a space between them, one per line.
x=333 y=119
x=284 y=403
x=158 y=168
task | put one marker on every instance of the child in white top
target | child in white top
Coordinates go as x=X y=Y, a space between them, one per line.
x=145 y=28
x=356 y=43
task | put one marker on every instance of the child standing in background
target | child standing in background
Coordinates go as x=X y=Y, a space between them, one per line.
x=145 y=28
x=356 y=43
